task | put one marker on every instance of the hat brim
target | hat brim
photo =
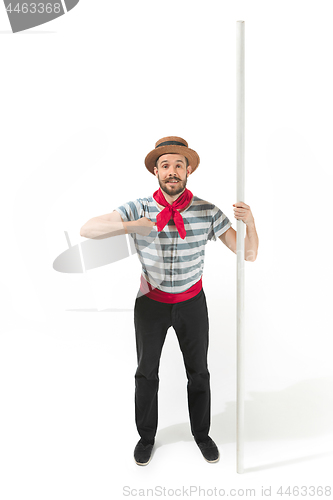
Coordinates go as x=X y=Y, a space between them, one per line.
x=190 y=154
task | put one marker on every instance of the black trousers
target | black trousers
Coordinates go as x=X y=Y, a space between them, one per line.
x=190 y=321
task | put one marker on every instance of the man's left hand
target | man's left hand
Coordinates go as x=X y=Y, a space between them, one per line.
x=243 y=212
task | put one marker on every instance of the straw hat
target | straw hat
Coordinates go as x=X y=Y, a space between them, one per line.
x=171 y=144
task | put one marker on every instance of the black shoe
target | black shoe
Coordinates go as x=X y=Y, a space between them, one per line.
x=142 y=453
x=209 y=450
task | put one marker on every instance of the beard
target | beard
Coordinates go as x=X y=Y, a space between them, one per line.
x=172 y=190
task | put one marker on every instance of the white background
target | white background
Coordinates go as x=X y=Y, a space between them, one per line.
x=83 y=99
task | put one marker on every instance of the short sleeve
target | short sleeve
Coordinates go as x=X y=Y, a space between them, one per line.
x=219 y=225
x=130 y=211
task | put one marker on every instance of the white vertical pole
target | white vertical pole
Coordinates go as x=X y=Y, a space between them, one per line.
x=240 y=78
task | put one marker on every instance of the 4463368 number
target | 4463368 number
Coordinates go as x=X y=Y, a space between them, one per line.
x=33 y=8
x=305 y=491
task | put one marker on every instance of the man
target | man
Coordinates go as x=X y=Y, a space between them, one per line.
x=170 y=230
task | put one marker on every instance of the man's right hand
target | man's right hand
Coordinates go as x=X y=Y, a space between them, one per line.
x=143 y=226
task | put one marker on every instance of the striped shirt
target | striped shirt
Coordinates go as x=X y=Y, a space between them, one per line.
x=170 y=263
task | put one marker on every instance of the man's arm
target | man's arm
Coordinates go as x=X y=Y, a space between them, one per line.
x=229 y=239
x=105 y=226
x=251 y=241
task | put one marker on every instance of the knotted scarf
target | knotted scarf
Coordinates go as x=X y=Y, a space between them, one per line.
x=172 y=210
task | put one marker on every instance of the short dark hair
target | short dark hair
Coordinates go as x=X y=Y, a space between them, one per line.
x=172 y=154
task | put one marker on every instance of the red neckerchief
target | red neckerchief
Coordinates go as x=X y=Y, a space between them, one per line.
x=171 y=210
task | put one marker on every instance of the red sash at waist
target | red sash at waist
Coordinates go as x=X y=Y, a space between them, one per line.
x=170 y=298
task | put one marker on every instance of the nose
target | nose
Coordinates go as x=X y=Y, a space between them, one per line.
x=173 y=172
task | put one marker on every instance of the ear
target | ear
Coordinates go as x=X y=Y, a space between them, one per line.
x=155 y=171
x=189 y=170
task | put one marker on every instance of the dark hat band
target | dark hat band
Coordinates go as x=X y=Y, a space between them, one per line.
x=171 y=143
